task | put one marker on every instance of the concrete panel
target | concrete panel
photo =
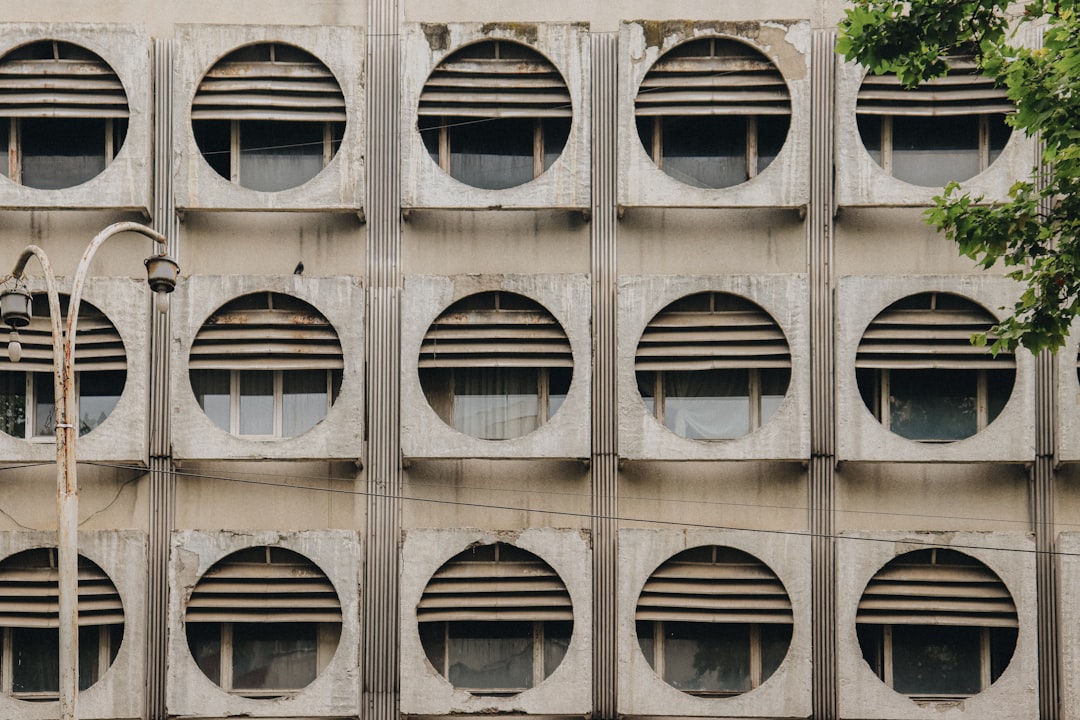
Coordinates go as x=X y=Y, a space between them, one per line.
x=340 y=185
x=565 y=184
x=567 y=691
x=785 y=436
x=126 y=181
x=566 y=435
x=119 y=694
x=1068 y=547
x=334 y=693
x=1011 y=437
x=643 y=693
x=1067 y=432
x=862 y=695
x=122 y=436
x=861 y=181
x=784 y=183
x=337 y=436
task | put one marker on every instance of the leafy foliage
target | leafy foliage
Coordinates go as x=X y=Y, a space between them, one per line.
x=1036 y=232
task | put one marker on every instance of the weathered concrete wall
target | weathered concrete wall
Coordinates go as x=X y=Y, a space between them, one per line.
x=567 y=691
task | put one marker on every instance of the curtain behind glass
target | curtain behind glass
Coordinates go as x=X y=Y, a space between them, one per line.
x=706 y=151
x=707 y=404
x=303 y=400
x=490 y=655
x=495 y=403
x=932 y=151
x=61 y=152
x=707 y=657
x=491 y=153
x=278 y=155
x=274 y=656
x=257 y=402
x=211 y=388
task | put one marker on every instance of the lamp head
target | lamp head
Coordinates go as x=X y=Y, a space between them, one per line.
x=161 y=272
x=16 y=306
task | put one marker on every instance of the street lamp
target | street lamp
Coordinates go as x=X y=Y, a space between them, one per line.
x=16 y=311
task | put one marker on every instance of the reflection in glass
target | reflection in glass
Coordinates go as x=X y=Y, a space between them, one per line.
x=212 y=390
x=257 y=402
x=274 y=656
x=495 y=403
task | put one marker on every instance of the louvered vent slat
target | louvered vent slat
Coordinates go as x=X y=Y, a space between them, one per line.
x=270 y=339
x=697 y=591
x=61 y=88
x=235 y=591
x=97 y=344
x=30 y=596
x=495 y=338
x=907 y=593
x=679 y=340
x=269 y=90
x=496 y=87
x=964 y=91
x=903 y=338
x=525 y=590
x=723 y=78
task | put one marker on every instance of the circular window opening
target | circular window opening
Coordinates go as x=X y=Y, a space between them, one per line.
x=948 y=129
x=495 y=620
x=714 y=621
x=263 y=622
x=713 y=112
x=30 y=624
x=63 y=115
x=496 y=365
x=937 y=624
x=266 y=365
x=268 y=117
x=495 y=114
x=921 y=377
x=27 y=389
x=712 y=366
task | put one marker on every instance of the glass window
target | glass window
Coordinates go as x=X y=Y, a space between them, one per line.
x=714 y=404
x=274 y=655
x=22 y=394
x=257 y=402
x=495 y=403
x=279 y=403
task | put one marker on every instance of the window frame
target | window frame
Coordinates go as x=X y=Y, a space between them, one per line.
x=886 y=148
x=30 y=406
x=105 y=658
x=755 y=420
x=445 y=144
x=330 y=147
x=278 y=399
x=543 y=397
x=13 y=168
x=882 y=410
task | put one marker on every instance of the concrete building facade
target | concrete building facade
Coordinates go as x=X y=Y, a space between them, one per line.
x=566 y=360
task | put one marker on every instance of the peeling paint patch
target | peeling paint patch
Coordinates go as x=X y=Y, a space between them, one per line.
x=526 y=32
x=437 y=34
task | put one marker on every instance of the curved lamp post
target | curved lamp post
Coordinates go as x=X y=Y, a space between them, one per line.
x=15 y=311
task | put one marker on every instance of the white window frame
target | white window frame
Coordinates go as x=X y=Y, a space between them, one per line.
x=278 y=399
x=755 y=670
x=543 y=394
x=754 y=390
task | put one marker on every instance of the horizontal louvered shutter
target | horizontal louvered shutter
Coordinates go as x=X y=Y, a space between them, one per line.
x=30 y=597
x=496 y=338
x=964 y=91
x=731 y=592
x=61 y=88
x=712 y=340
x=524 y=590
x=304 y=91
x=736 y=80
x=940 y=594
x=97 y=344
x=266 y=339
x=495 y=88
x=928 y=339
x=264 y=592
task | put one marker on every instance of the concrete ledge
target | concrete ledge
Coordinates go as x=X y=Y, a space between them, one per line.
x=862 y=695
x=334 y=693
x=784 y=183
x=564 y=185
x=197 y=186
x=567 y=691
x=642 y=692
x=337 y=436
x=119 y=694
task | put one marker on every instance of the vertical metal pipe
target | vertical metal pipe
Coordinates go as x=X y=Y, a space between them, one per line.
x=604 y=465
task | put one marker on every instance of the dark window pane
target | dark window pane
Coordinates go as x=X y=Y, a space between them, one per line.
x=35 y=660
x=1000 y=132
x=99 y=392
x=705 y=151
x=495 y=403
x=303 y=400
x=1002 y=645
x=61 y=152
x=274 y=656
x=492 y=153
x=278 y=155
x=433 y=640
x=44 y=404
x=870 y=641
x=213 y=139
x=870 y=132
x=999 y=385
x=646 y=641
x=932 y=151
x=211 y=388
x=936 y=660
x=707 y=657
x=5 y=135
x=556 y=131
x=556 y=642
x=933 y=404
x=256 y=402
x=646 y=384
x=13 y=403
x=772 y=133
x=775 y=640
x=204 y=640
x=774 y=384
x=558 y=387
